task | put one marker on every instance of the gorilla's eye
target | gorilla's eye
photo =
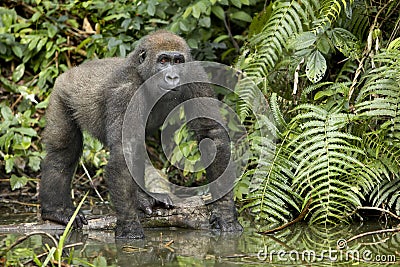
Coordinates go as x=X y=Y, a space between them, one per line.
x=179 y=60
x=164 y=59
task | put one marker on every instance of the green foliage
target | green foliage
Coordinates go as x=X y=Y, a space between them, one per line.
x=266 y=186
x=329 y=170
x=337 y=138
x=39 y=40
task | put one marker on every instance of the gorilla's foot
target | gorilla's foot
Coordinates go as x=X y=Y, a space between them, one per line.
x=63 y=216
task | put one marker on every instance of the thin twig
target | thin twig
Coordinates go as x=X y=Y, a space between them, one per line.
x=299 y=218
x=91 y=181
x=7 y=201
x=235 y=44
x=16 y=102
x=392 y=230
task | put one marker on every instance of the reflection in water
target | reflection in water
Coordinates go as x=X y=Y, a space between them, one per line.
x=171 y=247
x=299 y=245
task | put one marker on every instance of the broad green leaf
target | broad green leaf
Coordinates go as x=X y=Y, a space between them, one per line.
x=187 y=12
x=323 y=45
x=176 y=156
x=34 y=163
x=346 y=42
x=205 y=22
x=26 y=131
x=219 y=12
x=18 y=72
x=196 y=11
x=9 y=163
x=193 y=43
x=185 y=148
x=41 y=43
x=36 y=16
x=17 y=182
x=151 y=9
x=33 y=43
x=183 y=26
x=17 y=50
x=51 y=30
x=316 y=67
x=23 y=144
x=7 y=114
x=323 y=93
x=304 y=40
x=241 y=15
x=236 y=3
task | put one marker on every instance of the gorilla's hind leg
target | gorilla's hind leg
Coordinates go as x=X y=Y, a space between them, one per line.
x=63 y=141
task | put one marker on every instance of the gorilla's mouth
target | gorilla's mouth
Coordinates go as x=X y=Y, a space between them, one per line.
x=174 y=89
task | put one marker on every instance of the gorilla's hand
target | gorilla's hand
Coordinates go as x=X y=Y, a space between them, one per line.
x=147 y=202
x=64 y=216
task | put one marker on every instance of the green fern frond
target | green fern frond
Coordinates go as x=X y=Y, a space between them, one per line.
x=384 y=156
x=379 y=97
x=330 y=10
x=270 y=174
x=287 y=19
x=276 y=112
x=329 y=169
x=349 y=68
x=359 y=22
x=248 y=102
x=387 y=195
x=271 y=197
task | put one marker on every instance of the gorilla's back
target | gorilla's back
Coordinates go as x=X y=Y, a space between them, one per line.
x=83 y=91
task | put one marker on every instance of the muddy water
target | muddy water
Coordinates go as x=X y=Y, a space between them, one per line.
x=299 y=245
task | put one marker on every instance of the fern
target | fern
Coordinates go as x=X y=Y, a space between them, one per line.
x=329 y=170
x=285 y=21
x=378 y=103
x=250 y=97
x=387 y=195
x=380 y=96
x=330 y=10
x=383 y=156
x=358 y=23
x=348 y=69
x=270 y=175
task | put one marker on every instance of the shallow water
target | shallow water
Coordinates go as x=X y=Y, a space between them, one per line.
x=299 y=245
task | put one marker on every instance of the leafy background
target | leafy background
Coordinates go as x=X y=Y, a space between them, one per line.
x=329 y=70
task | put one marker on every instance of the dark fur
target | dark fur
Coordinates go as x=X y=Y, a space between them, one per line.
x=93 y=97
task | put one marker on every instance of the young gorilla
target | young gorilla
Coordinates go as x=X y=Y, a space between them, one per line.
x=93 y=97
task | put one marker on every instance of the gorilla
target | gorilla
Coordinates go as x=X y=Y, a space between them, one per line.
x=93 y=97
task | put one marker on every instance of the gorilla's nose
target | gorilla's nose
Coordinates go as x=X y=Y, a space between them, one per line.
x=172 y=78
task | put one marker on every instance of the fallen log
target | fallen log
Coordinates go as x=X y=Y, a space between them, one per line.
x=194 y=215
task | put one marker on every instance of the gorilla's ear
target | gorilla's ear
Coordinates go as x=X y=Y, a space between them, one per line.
x=142 y=56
